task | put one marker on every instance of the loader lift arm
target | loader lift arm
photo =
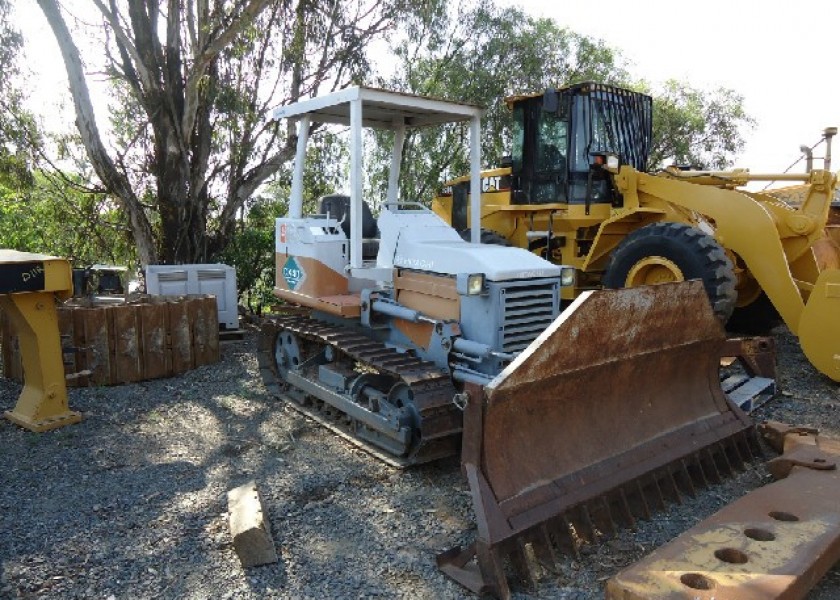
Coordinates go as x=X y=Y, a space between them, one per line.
x=774 y=240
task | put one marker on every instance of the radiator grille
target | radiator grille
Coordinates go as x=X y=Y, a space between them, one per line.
x=528 y=310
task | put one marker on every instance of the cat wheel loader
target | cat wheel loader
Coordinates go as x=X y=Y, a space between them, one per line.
x=577 y=192
x=396 y=328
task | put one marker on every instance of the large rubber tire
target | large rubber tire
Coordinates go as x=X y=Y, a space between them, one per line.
x=663 y=252
x=488 y=236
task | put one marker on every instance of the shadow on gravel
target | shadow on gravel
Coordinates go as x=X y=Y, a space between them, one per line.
x=131 y=503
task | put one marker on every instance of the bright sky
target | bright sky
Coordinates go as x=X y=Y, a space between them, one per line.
x=780 y=55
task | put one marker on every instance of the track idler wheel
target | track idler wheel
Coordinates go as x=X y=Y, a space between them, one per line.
x=286 y=352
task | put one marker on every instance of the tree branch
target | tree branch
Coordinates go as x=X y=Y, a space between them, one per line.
x=115 y=181
x=207 y=55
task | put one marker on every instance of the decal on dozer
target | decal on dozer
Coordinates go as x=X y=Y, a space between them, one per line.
x=615 y=409
x=293 y=273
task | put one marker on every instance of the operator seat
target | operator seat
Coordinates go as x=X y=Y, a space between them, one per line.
x=338 y=207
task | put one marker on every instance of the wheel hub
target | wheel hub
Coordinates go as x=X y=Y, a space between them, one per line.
x=652 y=270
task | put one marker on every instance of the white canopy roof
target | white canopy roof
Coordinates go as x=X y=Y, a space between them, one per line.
x=382 y=109
x=361 y=107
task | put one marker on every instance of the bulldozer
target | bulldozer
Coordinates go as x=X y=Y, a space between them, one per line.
x=414 y=344
x=576 y=190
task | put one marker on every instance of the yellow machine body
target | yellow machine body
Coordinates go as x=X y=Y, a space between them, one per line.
x=777 y=247
x=29 y=284
x=578 y=193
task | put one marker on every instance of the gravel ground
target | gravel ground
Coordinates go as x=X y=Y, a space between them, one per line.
x=131 y=503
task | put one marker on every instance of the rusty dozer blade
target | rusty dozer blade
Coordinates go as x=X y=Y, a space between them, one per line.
x=775 y=543
x=613 y=411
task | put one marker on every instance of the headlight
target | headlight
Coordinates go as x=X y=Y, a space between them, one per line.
x=567 y=276
x=475 y=284
x=612 y=162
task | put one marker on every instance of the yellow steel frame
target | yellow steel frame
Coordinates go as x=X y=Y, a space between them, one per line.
x=772 y=242
x=772 y=238
x=29 y=284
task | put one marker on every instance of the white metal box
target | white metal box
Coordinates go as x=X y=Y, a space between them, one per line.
x=217 y=280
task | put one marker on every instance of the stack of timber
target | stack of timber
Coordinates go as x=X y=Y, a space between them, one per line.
x=146 y=337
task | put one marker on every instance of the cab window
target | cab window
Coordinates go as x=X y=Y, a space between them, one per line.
x=551 y=143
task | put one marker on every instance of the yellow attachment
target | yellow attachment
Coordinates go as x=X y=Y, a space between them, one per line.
x=28 y=286
x=742 y=225
x=819 y=327
x=653 y=270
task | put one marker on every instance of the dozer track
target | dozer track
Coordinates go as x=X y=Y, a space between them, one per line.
x=435 y=431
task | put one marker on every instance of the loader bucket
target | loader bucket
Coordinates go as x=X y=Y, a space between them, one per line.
x=819 y=325
x=615 y=409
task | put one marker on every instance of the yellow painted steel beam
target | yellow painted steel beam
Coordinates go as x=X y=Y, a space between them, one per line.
x=29 y=284
x=746 y=227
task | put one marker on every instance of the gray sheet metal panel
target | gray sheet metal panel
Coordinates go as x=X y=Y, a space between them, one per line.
x=512 y=314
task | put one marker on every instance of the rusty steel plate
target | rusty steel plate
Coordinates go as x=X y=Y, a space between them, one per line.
x=773 y=544
x=615 y=410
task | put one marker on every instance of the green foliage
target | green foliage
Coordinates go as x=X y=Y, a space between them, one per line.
x=54 y=216
x=481 y=55
x=251 y=251
x=702 y=129
x=325 y=171
x=18 y=133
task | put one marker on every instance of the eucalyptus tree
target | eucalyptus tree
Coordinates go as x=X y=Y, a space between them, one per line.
x=194 y=82
x=481 y=53
x=698 y=128
x=17 y=127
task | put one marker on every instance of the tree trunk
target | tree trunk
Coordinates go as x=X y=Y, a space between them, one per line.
x=114 y=181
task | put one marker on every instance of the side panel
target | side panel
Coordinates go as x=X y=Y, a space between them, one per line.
x=310 y=257
x=433 y=295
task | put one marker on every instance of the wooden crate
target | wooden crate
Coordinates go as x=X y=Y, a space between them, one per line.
x=145 y=338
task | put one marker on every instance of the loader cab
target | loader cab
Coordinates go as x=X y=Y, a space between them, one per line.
x=558 y=137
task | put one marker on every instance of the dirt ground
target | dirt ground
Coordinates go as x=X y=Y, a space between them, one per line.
x=131 y=503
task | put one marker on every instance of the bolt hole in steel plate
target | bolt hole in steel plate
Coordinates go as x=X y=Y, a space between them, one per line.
x=696 y=581
x=783 y=516
x=731 y=555
x=760 y=535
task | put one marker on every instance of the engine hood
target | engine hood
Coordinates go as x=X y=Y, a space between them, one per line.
x=423 y=241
